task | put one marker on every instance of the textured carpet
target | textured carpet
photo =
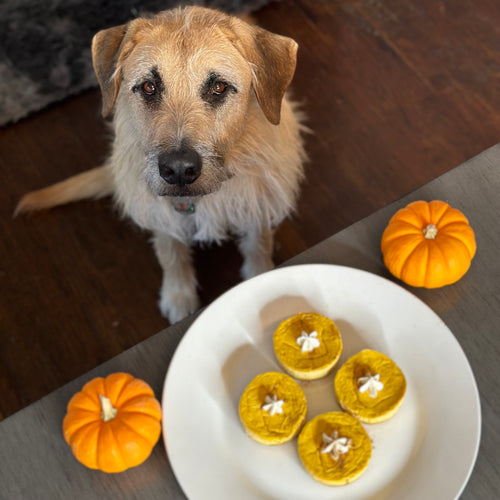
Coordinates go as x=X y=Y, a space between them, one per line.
x=45 y=45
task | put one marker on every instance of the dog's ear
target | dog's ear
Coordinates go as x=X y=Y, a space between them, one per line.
x=109 y=48
x=272 y=59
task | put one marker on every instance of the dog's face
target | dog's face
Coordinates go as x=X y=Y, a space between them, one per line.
x=186 y=79
x=189 y=92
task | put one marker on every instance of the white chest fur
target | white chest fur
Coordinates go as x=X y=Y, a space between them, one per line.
x=266 y=172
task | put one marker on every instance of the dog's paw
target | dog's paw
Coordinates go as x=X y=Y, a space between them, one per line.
x=177 y=306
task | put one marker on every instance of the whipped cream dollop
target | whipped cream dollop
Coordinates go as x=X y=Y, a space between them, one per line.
x=335 y=445
x=273 y=405
x=308 y=341
x=370 y=383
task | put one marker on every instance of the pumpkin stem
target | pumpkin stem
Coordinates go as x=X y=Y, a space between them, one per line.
x=430 y=232
x=108 y=411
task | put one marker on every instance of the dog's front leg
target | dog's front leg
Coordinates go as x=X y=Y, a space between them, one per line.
x=256 y=248
x=178 y=296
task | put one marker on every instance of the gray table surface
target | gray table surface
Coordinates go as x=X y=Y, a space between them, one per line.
x=36 y=463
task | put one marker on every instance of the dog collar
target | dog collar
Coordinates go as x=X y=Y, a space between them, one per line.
x=183 y=207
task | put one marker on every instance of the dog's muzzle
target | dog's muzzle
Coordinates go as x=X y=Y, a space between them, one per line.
x=180 y=167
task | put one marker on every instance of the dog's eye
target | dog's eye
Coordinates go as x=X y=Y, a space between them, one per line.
x=219 y=87
x=215 y=90
x=149 y=88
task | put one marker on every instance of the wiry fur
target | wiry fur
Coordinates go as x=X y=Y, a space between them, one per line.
x=249 y=143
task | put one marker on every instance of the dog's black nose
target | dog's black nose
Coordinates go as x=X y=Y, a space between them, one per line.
x=180 y=167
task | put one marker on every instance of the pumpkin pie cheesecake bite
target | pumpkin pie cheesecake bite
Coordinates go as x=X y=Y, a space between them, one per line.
x=272 y=408
x=334 y=448
x=307 y=345
x=370 y=386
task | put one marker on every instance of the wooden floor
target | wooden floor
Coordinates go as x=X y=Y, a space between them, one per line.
x=397 y=92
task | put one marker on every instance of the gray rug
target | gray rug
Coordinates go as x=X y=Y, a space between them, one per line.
x=45 y=45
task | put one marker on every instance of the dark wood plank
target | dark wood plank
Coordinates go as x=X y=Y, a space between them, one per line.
x=78 y=284
x=388 y=111
x=396 y=94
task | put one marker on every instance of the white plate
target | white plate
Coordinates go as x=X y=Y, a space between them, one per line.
x=427 y=450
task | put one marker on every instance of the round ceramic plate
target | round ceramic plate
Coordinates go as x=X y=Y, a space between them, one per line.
x=427 y=450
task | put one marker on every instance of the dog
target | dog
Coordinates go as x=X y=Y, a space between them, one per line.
x=207 y=144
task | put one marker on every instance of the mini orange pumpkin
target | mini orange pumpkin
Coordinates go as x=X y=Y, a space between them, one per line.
x=113 y=423
x=428 y=244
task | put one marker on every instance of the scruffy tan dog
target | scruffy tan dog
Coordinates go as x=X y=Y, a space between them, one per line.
x=206 y=144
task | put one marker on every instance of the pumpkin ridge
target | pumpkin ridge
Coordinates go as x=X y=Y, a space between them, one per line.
x=456 y=220
x=441 y=215
x=416 y=208
x=102 y=448
x=98 y=447
x=399 y=240
x=446 y=264
x=77 y=441
x=421 y=211
x=137 y=431
x=92 y=388
x=460 y=221
x=119 y=395
x=143 y=450
x=72 y=427
x=456 y=227
x=76 y=412
x=138 y=390
x=408 y=260
x=136 y=414
x=409 y=217
x=83 y=400
x=124 y=407
x=461 y=242
x=414 y=240
x=81 y=406
x=124 y=380
x=401 y=227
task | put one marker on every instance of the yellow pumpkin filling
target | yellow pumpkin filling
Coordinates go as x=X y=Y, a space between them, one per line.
x=272 y=408
x=307 y=345
x=370 y=386
x=334 y=448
